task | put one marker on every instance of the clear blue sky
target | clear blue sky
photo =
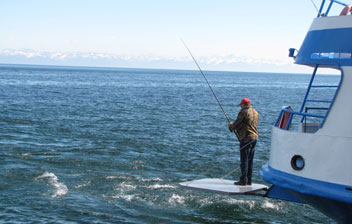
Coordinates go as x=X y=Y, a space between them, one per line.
x=221 y=33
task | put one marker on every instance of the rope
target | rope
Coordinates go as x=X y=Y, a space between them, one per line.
x=227 y=174
x=232 y=171
x=238 y=167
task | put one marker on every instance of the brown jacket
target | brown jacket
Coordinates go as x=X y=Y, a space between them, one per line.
x=246 y=124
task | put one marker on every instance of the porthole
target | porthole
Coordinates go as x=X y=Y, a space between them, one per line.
x=297 y=162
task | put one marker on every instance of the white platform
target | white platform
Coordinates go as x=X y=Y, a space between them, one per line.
x=222 y=186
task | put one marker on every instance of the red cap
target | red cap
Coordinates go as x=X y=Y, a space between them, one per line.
x=245 y=101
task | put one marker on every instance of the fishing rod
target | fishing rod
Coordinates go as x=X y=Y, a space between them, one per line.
x=195 y=61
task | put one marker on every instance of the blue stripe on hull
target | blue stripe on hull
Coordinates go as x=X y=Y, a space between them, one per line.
x=334 y=200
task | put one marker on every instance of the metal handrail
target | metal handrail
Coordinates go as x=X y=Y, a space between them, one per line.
x=319 y=101
x=319 y=86
x=329 y=7
x=316 y=108
x=323 y=86
x=291 y=112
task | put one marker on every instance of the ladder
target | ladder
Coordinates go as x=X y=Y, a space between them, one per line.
x=311 y=101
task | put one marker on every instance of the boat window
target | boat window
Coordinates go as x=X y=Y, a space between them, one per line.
x=345 y=55
x=331 y=55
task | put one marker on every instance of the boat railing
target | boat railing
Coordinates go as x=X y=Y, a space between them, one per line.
x=286 y=116
x=319 y=101
x=326 y=13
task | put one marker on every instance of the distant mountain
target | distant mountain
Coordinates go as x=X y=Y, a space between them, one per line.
x=228 y=62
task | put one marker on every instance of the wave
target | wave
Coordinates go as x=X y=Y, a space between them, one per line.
x=60 y=188
x=274 y=206
x=82 y=185
x=176 y=199
x=159 y=186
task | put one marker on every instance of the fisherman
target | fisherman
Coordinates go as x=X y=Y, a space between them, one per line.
x=245 y=127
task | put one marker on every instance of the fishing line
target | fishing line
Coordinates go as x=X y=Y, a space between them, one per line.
x=314 y=5
x=195 y=61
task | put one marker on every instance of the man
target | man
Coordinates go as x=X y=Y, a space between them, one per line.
x=245 y=128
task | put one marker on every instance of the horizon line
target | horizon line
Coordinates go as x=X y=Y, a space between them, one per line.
x=78 y=67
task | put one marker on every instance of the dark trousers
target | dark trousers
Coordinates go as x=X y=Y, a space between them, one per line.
x=247 y=154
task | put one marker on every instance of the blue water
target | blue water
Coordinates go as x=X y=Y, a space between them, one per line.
x=99 y=145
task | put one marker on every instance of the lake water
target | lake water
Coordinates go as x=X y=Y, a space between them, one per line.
x=104 y=145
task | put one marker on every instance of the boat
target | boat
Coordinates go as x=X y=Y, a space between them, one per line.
x=310 y=155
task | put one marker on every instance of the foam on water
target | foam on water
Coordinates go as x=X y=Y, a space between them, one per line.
x=123 y=196
x=83 y=185
x=275 y=206
x=149 y=179
x=159 y=186
x=60 y=188
x=176 y=199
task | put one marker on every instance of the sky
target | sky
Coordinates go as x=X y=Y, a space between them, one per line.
x=230 y=35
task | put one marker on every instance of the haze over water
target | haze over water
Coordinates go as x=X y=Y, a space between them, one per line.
x=101 y=145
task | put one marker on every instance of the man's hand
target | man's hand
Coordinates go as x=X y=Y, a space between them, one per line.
x=230 y=126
